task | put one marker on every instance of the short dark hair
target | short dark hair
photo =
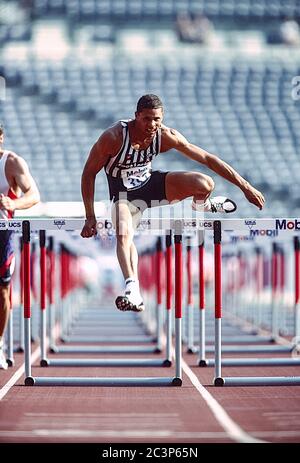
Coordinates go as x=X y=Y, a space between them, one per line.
x=149 y=101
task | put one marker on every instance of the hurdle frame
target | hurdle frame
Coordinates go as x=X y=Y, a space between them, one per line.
x=219 y=380
x=112 y=381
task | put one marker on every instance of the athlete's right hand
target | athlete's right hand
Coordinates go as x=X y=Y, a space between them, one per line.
x=254 y=196
x=90 y=228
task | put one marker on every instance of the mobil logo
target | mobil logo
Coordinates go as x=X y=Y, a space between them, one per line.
x=283 y=224
x=270 y=233
x=108 y=224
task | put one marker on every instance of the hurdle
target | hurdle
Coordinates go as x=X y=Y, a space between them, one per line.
x=98 y=381
x=65 y=349
x=204 y=362
x=80 y=362
x=239 y=380
x=189 y=298
x=227 y=226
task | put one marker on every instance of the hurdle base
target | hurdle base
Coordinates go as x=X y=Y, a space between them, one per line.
x=191 y=350
x=177 y=382
x=158 y=350
x=53 y=349
x=203 y=363
x=107 y=362
x=262 y=381
x=103 y=382
x=219 y=382
x=44 y=363
x=10 y=362
x=167 y=363
x=29 y=381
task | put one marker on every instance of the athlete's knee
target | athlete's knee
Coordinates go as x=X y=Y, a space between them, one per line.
x=210 y=184
x=203 y=184
x=124 y=237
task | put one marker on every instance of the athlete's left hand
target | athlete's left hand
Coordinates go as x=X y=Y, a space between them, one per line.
x=254 y=196
x=6 y=203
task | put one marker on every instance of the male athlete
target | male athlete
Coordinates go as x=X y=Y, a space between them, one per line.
x=126 y=151
x=15 y=179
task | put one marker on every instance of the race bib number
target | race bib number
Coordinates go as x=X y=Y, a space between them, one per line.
x=135 y=177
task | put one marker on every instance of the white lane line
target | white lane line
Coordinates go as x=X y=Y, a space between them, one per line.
x=105 y=415
x=21 y=370
x=110 y=433
x=233 y=430
x=34 y=356
x=62 y=433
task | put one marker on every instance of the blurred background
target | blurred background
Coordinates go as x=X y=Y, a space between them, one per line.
x=228 y=72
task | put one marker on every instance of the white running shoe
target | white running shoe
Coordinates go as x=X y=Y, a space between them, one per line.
x=132 y=300
x=216 y=204
x=3 y=362
x=124 y=304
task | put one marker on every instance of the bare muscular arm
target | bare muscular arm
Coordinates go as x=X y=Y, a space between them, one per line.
x=21 y=179
x=106 y=147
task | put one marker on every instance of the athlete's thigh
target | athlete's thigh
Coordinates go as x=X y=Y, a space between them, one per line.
x=125 y=217
x=181 y=185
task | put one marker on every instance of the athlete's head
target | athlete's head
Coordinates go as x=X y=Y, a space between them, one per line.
x=149 y=102
x=149 y=113
x=1 y=134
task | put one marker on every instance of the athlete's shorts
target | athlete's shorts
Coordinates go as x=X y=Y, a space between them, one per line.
x=150 y=194
x=7 y=259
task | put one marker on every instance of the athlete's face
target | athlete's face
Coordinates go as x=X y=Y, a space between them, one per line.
x=149 y=120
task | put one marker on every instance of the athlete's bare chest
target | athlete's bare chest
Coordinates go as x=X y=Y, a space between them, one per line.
x=141 y=145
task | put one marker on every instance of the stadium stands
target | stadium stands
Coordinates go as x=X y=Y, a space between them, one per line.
x=167 y=9
x=232 y=104
x=242 y=110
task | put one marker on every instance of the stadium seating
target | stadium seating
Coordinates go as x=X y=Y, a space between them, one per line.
x=167 y=9
x=241 y=110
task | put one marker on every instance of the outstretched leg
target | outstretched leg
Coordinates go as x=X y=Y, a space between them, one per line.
x=182 y=185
